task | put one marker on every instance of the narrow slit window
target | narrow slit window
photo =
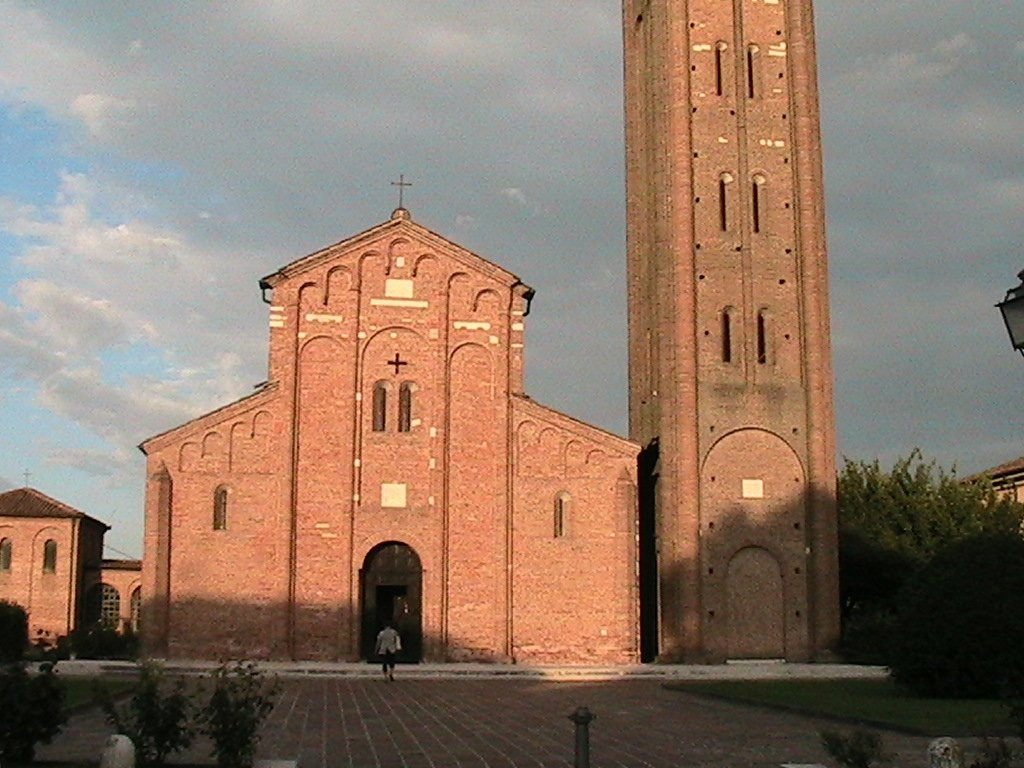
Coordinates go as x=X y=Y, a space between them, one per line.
x=50 y=556
x=719 y=68
x=405 y=406
x=220 y=509
x=727 y=335
x=561 y=515
x=762 y=337
x=5 y=555
x=723 y=201
x=757 y=201
x=752 y=63
x=380 y=406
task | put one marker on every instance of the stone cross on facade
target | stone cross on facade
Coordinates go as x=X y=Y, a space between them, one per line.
x=397 y=362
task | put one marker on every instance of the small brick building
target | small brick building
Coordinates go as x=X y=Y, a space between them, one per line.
x=50 y=556
x=392 y=469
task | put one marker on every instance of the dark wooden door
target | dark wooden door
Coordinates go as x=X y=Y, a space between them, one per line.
x=392 y=592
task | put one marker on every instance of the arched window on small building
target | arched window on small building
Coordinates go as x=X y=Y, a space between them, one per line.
x=50 y=556
x=562 y=503
x=5 y=555
x=110 y=607
x=135 y=608
x=220 y=508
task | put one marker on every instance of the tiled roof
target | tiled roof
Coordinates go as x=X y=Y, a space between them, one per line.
x=1017 y=465
x=28 y=502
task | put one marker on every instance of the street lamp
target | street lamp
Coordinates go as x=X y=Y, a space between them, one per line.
x=1012 y=308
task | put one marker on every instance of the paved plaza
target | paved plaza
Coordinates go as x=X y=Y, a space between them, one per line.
x=504 y=722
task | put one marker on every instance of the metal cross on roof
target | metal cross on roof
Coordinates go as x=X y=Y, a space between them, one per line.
x=401 y=184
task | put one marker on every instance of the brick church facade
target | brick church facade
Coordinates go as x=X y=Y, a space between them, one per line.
x=392 y=469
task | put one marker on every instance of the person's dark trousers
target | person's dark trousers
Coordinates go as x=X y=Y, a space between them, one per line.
x=387 y=665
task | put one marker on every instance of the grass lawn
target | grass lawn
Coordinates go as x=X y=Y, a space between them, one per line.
x=876 y=702
x=79 y=691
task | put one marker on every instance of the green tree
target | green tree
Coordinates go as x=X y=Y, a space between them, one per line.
x=917 y=508
x=892 y=523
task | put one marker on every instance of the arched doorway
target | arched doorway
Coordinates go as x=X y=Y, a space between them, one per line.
x=755 y=606
x=391 y=586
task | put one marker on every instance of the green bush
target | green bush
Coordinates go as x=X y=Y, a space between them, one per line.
x=868 y=634
x=155 y=718
x=857 y=749
x=13 y=631
x=994 y=753
x=241 y=700
x=31 y=711
x=98 y=641
x=960 y=621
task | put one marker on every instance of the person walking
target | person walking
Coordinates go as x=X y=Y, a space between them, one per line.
x=389 y=643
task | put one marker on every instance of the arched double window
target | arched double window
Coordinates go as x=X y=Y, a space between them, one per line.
x=220 y=508
x=50 y=556
x=5 y=555
x=405 y=405
x=563 y=502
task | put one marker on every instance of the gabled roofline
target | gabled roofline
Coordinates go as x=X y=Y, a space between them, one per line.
x=574 y=423
x=400 y=220
x=1000 y=472
x=69 y=512
x=157 y=440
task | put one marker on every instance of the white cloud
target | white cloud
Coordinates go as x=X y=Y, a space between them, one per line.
x=163 y=307
x=101 y=112
x=66 y=320
x=514 y=194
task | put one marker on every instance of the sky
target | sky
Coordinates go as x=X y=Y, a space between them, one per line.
x=157 y=159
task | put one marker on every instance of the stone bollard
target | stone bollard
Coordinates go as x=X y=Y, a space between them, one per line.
x=945 y=753
x=119 y=752
x=582 y=717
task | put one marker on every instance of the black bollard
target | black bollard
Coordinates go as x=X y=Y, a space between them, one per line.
x=582 y=717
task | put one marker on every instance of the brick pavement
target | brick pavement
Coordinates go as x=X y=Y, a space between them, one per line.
x=510 y=723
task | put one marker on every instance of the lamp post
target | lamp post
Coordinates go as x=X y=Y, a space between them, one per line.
x=1012 y=308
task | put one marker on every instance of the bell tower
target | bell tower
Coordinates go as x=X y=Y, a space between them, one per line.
x=730 y=357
